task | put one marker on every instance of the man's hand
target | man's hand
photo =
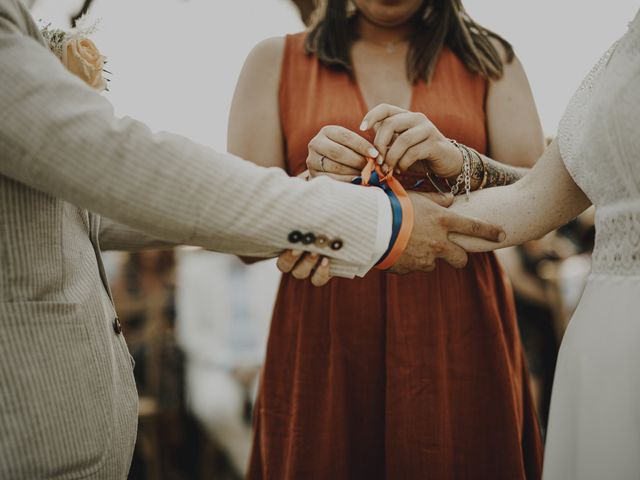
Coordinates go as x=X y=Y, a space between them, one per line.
x=430 y=237
x=429 y=241
x=304 y=265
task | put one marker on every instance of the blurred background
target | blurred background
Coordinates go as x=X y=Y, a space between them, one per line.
x=196 y=322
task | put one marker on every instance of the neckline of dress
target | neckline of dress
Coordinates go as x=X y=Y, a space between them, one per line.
x=364 y=107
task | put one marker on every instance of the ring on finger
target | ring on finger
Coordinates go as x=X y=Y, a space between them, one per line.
x=322 y=163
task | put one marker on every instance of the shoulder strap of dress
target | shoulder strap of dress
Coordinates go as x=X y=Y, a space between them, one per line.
x=295 y=77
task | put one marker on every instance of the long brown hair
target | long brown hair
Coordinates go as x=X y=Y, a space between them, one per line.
x=438 y=23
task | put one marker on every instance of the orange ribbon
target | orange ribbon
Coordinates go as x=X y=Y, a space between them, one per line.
x=407 y=211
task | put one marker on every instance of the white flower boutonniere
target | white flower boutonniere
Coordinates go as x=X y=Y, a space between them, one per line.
x=79 y=54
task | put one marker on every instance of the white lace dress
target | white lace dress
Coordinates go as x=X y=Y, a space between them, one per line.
x=594 y=426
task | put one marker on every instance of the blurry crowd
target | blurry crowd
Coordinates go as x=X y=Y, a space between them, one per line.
x=196 y=324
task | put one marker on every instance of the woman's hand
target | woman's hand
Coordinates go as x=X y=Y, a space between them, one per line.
x=404 y=138
x=304 y=265
x=338 y=153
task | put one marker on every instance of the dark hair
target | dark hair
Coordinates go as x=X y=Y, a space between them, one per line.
x=438 y=23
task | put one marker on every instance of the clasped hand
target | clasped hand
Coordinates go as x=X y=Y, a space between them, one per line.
x=402 y=138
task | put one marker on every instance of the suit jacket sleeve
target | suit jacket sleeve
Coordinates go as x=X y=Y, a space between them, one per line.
x=60 y=137
x=118 y=236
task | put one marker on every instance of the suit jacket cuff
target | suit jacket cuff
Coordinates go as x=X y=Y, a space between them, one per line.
x=383 y=233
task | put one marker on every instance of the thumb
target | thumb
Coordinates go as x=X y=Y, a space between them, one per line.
x=443 y=199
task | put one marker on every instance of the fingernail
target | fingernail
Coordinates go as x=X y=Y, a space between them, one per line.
x=364 y=126
x=398 y=172
x=502 y=237
x=373 y=153
x=380 y=160
x=325 y=262
x=296 y=253
x=314 y=255
x=385 y=168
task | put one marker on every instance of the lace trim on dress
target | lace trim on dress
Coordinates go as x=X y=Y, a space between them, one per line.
x=617 y=249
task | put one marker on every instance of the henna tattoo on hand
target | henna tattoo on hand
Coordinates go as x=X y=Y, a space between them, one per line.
x=477 y=168
x=489 y=171
x=499 y=174
x=486 y=173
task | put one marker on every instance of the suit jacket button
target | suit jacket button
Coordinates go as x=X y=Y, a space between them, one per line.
x=336 y=244
x=308 y=239
x=322 y=241
x=295 y=236
x=117 y=326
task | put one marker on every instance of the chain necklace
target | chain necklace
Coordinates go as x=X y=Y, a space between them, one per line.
x=390 y=47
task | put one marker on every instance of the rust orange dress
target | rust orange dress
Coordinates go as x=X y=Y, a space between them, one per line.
x=392 y=377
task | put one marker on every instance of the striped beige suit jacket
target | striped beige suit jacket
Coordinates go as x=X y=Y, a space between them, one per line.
x=68 y=403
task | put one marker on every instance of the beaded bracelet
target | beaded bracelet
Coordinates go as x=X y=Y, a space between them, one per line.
x=401 y=207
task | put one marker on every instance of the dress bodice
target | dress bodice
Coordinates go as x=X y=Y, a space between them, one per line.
x=312 y=96
x=599 y=141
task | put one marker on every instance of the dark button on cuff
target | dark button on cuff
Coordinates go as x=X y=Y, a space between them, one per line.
x=322 y=241
x=295 y=236
x=117 y=326
x=308 y=239
x=336 y=245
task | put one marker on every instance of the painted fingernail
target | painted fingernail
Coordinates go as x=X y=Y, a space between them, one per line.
x=325 y=262
x=296 y=253
x=373 y=153
x=364 y=126
x=380 y=160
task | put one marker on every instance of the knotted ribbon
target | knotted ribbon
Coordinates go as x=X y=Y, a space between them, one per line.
x=401 y=207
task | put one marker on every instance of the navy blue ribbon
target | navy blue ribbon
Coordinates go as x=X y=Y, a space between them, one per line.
x=396 y=209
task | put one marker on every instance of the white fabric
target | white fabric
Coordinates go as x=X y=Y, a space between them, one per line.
x=383 y=234
x=217 y=401
x=224 y=308
x=594 y=426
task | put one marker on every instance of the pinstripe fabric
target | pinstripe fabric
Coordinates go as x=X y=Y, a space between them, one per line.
x=68 y=403
x=61 y=138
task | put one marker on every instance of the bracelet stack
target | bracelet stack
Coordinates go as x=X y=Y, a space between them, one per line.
x=465 y=174
x=401 y=207
x=469 y=156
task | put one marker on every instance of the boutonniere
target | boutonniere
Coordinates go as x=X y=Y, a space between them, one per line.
x=78 y=53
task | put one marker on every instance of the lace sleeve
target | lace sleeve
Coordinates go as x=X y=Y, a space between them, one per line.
x=622 y=130
x=572 y=122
